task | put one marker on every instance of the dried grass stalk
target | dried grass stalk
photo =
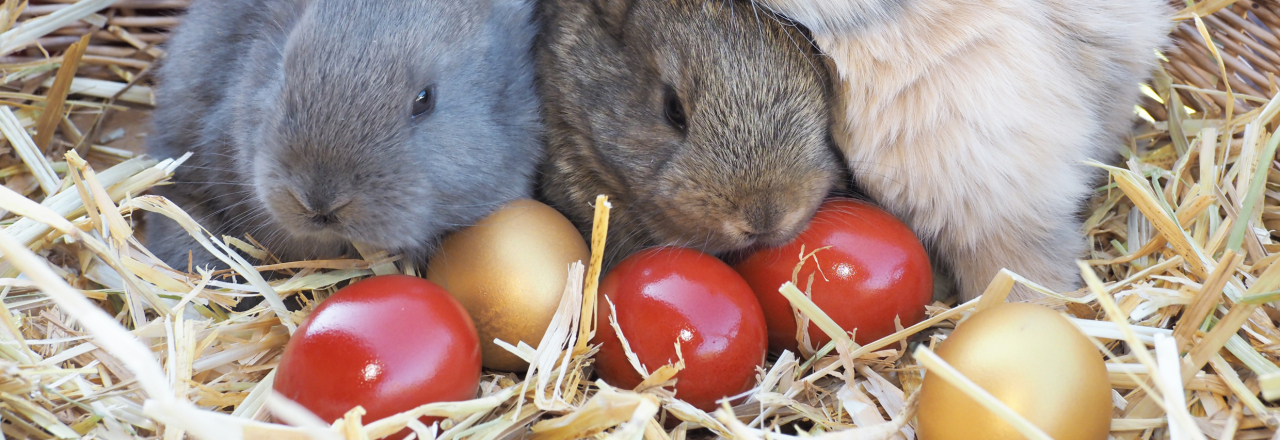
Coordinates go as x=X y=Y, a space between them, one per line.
x=98 y=339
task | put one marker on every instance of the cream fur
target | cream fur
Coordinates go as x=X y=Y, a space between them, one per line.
x=970 y=119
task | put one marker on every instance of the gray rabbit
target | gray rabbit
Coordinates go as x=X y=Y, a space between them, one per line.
x=318 y=123
x=707 y=122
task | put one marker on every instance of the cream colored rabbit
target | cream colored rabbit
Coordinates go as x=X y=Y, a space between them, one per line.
x=970 y=119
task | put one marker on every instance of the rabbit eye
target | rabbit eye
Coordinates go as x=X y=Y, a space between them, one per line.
x=673 y=109
x=425 y=102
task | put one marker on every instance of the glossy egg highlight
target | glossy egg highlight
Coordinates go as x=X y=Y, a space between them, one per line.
x=509 y=272
x=665 y=295
x=388 y=343
x=869 y=268
x=1032 y=359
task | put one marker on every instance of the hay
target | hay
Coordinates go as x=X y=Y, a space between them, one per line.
x=98 y=339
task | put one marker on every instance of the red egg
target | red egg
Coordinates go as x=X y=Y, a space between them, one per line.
x=875 y=270
x=665 y=295
x=388 y=343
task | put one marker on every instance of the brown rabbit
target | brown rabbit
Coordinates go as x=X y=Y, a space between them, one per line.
x=706 y=122
x=971 y=120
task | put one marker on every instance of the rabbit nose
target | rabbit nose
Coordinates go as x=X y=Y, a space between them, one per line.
x=320 y=204
x=748 y=234
x=766 y=223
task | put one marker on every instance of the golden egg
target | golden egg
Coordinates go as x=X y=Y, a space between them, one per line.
x=509 y=271
x=1033 y=360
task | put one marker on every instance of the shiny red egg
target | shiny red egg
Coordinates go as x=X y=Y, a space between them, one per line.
x=665 y=295
x=874 y=269
x=388 y=343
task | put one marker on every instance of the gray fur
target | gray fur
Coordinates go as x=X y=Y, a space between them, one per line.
x=315 y=97
x=758 y=157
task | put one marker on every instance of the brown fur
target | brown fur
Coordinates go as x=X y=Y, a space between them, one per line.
x=756 y=159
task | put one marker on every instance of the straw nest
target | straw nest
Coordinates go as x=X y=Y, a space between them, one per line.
x=96 y=339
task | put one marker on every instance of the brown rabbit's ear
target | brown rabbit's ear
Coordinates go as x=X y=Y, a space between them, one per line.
x=613 y=14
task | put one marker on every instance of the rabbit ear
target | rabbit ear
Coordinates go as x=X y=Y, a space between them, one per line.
x=612 y=14
x=828 y=16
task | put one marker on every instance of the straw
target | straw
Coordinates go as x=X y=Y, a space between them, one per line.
x=98 y=339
